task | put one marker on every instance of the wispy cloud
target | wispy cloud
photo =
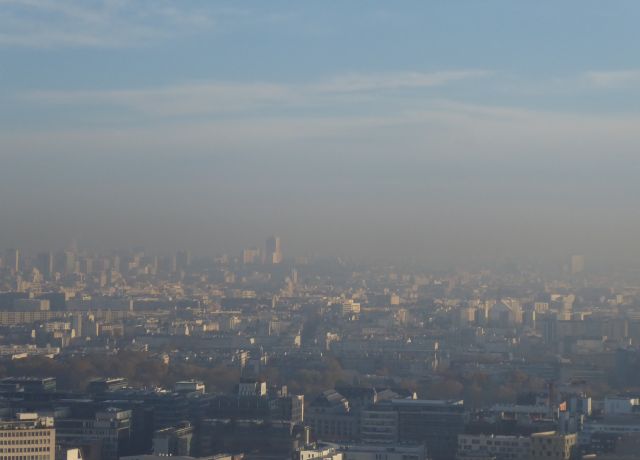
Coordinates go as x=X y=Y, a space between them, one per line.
x=613 y=78
x=104 y=23
x=246 y=116
x=201 y=98
x=441 y=130
x=398 y=80
x=176 y=100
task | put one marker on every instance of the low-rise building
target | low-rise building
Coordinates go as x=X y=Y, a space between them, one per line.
x=474 y=446
x=551 y=445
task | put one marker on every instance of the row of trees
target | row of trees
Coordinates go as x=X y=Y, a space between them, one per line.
x=139 y=368
x=146 y=369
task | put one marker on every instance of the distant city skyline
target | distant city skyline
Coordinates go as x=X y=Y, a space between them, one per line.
x=85 y=259
x=442 y=131
x=338 y=230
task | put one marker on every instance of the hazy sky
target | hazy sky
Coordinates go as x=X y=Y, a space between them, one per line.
x=441 y=130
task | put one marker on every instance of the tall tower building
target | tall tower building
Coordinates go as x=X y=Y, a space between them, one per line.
x=12 y=259
x=577 y=264
x=250 y=256
x=65 y=262
x=86 y=265
x=273 y=251
x=45 y=264
x=69 y=262
x=115 y=265
x=183 y=260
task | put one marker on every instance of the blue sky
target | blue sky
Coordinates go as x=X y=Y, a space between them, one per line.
x=258 y=117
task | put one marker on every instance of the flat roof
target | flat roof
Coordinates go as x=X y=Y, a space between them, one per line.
x=429 y=402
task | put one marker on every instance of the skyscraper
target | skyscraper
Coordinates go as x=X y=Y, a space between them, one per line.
x=273 y=251
x=45 y=264
x=250 y=256
x=183 y=260
x=12 y=259
x=69 y=262
x=577 y=264
x=65 y=262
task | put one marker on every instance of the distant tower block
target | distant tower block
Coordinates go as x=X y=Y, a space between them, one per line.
x=273 y=251
x=250 y=256
x=577 y=264
x=12 y=259
x=183 y=260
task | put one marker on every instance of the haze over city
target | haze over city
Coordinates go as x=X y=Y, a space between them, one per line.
x=449 y=133
x=337 y=230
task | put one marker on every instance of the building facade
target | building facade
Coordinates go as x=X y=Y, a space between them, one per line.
x=28 y=438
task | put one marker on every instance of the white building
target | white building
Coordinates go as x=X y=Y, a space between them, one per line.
x=28 y=438
x=320 y=452
x=329 y=451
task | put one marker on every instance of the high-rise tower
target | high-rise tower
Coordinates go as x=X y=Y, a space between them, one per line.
x=45 y=264
x=577 y=264
x=12 y=259
x=273 y=251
